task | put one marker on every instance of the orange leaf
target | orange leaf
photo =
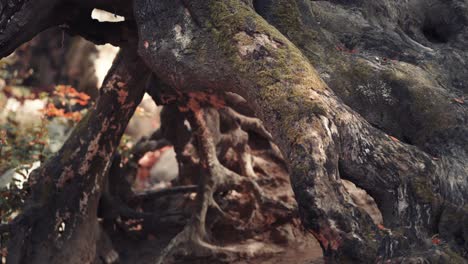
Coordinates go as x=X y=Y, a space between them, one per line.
x=83 y=96
x=136 y=228
x=394 y=139
x=381 y=227
x=82 y=102
x=459 y=100
x=51 y=111
x=435 y=240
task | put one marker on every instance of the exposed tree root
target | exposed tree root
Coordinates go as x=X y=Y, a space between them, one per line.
x=321 y=138
x=151 y=195
x=195 y=240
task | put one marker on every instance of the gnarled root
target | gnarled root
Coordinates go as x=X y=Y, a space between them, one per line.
x=216 y=178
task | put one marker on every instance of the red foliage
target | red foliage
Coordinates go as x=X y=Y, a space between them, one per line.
x=70 y=95
x=52 y=111
x=435 y=240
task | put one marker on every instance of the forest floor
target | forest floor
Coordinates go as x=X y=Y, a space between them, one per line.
x=295 y=245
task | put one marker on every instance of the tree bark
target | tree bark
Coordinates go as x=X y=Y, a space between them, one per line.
x=225 y=46
x=345 y=127
x=59 y=223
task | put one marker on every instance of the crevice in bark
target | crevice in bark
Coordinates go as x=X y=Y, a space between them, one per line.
x=434 y=33
x=261 y=6
x=364 y=201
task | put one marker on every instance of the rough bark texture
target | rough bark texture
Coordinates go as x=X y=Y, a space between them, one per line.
x=384 y=109
x=400 y=65
x=226 y=46
x=59 y=223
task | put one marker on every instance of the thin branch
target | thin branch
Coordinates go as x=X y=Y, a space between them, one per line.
x=247 y=123
x=146 y=145
x=100 y=33
x=151 y=195
x=239 y=104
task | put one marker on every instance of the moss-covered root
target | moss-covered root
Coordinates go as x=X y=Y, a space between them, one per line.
x=237 y=51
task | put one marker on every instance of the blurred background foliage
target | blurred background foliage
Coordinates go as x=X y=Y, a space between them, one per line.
x=46 y=86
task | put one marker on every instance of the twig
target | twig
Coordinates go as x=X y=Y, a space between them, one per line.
x=150 y=195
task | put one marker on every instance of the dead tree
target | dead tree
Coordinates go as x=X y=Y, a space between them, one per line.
x=340 y=122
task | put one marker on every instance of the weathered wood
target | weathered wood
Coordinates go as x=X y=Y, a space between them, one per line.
x=21 y=20
x=225 y=46
x=219 y=46
x=60 y=225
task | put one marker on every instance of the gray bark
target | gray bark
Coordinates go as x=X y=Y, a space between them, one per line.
x=335 y=103
x=226 y=46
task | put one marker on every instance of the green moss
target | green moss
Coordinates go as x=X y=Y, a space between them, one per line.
x=432 y=110
x=229 y=20
x=286 y=17
x=452 y=257
x=362 y=71
x=283 y=76
x=357 y=72
x=422 y=188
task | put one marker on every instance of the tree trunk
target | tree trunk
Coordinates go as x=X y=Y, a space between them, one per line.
x=59 y=223
x=384 y=109
x=225 y=46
